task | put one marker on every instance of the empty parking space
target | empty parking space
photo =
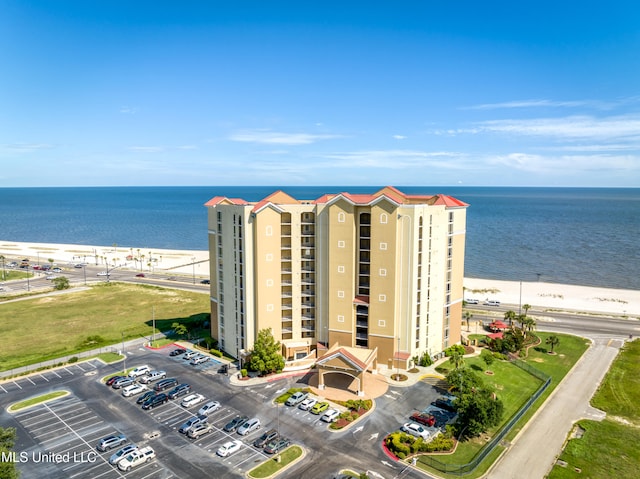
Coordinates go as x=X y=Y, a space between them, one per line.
x=45 y=377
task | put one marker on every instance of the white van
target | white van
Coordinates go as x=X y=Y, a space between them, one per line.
x=139 y=371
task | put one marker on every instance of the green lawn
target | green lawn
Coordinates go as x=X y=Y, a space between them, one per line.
x=49 y=327
x=569 y=350
x=609 y=448
x=271 y=466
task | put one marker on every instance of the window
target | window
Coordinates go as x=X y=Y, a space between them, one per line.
x=382 y=298
x=340 y=318
x=269 y=282
x=269 y=230
x=381 y=323
x=341 y=217
x=340 y=294
x=384 y=218
x=340 y=269
x=383 y=272
x=268 y=257
x=340 y=244
x=270 y=308
x=383 y=246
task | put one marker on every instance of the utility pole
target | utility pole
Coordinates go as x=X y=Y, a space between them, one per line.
x=124 y=355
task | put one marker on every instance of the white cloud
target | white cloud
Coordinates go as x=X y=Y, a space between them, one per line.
x=399 y=137
x=27 y=147
x=537 y=103
x=398 y=159
x=279 y=138
x=129 y=110
x=563 y=164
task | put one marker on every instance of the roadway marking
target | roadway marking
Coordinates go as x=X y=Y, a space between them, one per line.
x=44 y=378
x=19 y=387
x=3 y=388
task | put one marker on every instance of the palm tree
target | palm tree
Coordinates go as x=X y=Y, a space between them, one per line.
x=457 y=359
x=522 y=318
x=467 y=317
x=526 y=308
x=529 y=324
x=553 y=340
x=510 y=316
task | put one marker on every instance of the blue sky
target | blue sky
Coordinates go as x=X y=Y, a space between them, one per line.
x=320 y=93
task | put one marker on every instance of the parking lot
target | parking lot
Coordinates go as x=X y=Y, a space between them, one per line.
x=58 y=439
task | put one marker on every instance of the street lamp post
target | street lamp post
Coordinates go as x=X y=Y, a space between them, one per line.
x=124 y=355
x=193 y=265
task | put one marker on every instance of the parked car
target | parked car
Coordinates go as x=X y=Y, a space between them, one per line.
x=296 y=398
x=145 y=397
x=180 y=390
x=307 y=404
x=109 y=442
x=57 y=270
x=140 y=275
x=266 y=437
x=320 y=407
x=235 y=423
x=103 y=273
x=153 y=376
x=120 y=453
x=199 y=360
x=139 y=371
x=165 y=384
x=208 y=408
x=199 y=429
x=416 y=429
x=229 y=448
x=492 y=303
x=424 y=419
x=177 y=352
x=445 y=403
x=186 y=426
x=190 y=354
x=205 y=281
x=276 y=445
x=133 y=390
x=192 y=400
x=472 y=301
x=330 y=416
x=113 y=379
x=123 y=382
x=137 y=457
x=248 y=426
x=154 y=401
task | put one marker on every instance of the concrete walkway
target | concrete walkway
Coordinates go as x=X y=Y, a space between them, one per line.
x=534 y=451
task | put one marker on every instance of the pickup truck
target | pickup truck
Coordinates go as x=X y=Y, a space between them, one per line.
x=136 y=458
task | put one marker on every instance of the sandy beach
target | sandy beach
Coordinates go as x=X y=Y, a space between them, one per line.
x=540 y=295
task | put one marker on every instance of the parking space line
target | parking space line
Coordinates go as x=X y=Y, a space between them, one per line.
x=67 y=370
x=29 y=379
x=3 y=388
x=19 y=387
x=56 y=374
x=44 y=378
x=79 y=367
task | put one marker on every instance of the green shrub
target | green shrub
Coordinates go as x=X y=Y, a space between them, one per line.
x=243 y=373
x=458 y=348
x=215 y=352
x=74 y=359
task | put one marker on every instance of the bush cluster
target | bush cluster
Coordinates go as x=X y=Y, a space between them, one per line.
x=402 y=444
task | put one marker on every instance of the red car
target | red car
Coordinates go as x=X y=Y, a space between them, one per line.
x=426 y=419
x=140 y=275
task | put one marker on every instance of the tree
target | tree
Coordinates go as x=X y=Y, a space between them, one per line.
x=7 y=441
x=180 y=329
x=510 y=316
x=457 y=359
x=60 y=283
x=526 y=308
x=467 y=317
x=529 y=324
x=487 y=357
x=266 y=355
x=552 y=341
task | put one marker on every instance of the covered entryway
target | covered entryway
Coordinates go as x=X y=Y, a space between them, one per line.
x=346 y=368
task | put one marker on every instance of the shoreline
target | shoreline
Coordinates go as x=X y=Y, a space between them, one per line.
x=565 y=297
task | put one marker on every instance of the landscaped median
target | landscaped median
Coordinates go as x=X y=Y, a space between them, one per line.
x=278 y=463
x=34 y=401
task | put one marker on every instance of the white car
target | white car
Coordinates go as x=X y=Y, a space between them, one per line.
x=229 y=448
x=192 y=400
x=103 y=273
x=199 y=360
x=330 y=416
x=133 y=390
x=416 y=429
x=492 y=303
x=210 y=407
x=251 y=425
x=139 y=371
x=307 y=404
x=472 y=301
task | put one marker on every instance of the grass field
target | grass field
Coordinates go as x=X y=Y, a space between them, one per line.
x=609 y=448
x=52 y=326
x=569 y=350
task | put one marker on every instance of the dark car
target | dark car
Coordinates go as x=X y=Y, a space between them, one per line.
x=177 y=352
x=179 y=390
x=165 y=384
x=113 y=379
x=146 y=396
x=154 y=401
x=266 y=437
x=276 y=445
x=422 y=418
x=235 y=423
x=445 y=403
x=205 y=281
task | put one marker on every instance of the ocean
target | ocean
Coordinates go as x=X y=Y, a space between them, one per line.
x=582 y=236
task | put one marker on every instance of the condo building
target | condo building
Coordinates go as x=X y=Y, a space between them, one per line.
x=379 y=271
